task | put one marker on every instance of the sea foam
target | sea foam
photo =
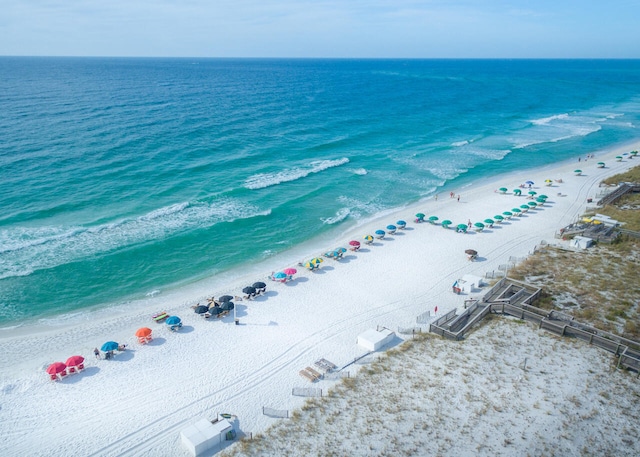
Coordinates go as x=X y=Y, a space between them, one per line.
x=263 y=180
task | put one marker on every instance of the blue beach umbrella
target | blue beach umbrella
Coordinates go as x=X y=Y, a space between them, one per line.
x=280 y=275
x=109 y=346
x=401 y=224
x=174 y=320
x=391 y=228
x=380 y=234
x=529 y=183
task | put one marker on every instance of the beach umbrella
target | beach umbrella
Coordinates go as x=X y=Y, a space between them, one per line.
x=249 y=290
x=309 y=266
x=446 y=223
x=74 y=361
x=488 y=221
x=544 y=197
x=316 y=260
x=548 y=182
x=354 y=243
x=634 y=153
x=110 y=346
x=225 y=298
x=507 y=214
x=462 y=227
x=600 y=164
x=433 y=219
x=517 y=191
x=619 y=158
x=577 y=172
x=529 y=183
x=56 y=368
x=524 y=208
x=368 y=239
x=227 y=306
x=200 y=309
x=174 y=320
x=503 y=190
x=380 y=234
x=516 y=210
x=401 y=224
x=341 y=250
x=471 y=252
x=479 y=225
x=532 y=205
x=391 y=228
x=215 y=310
x=290 y=271
x=145 y=332
x=419 y=216
x=280 y=275
x=498 y=218
x=261 y=285
x=532 y=192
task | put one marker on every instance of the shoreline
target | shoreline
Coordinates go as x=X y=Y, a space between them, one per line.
x=212 y=367
x=238 y=277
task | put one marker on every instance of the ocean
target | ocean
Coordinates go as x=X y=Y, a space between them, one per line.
x=124 y=179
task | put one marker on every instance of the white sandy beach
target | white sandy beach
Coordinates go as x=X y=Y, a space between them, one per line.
x=138 y=403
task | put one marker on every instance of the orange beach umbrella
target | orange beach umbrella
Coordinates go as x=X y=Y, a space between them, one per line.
x=143 y=332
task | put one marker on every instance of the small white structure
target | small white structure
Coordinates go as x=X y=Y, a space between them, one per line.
x=203 y=435
x=375 y=339
x=469 y=283
x=606 y=220
x=581 y=242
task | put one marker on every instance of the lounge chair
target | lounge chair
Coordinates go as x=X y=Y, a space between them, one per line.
x=160 y=317
x=80 y=367
x=314 y=372
x=54 y=377
x=71 y=370
x=309 y=376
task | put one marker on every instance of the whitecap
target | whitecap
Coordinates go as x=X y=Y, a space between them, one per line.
x=360 y=171
x=547 y=120
x=341 y=215
x=262 y=180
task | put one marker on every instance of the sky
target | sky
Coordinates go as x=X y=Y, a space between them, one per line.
x=322 y=28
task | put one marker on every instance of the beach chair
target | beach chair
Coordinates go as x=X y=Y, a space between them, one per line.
x=54 y=377
x=80 y=367
x=314 y=373
x=160 y=317
x=307 y=375
x=71 y=370
x=176 y=327
x=63 y=374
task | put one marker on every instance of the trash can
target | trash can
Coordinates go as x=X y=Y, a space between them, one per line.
x=237 y=321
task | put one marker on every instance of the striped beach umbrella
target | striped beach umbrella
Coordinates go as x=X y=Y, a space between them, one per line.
x=368 y=239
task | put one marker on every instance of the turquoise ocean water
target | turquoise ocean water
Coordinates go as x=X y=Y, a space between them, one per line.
x=121 y=177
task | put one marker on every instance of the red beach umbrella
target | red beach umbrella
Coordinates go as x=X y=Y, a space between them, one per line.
x=56 y=368
x=354 y=243
x=289 y=271
x=74 y=361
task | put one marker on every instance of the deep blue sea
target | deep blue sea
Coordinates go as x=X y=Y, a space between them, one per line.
x=121 y=178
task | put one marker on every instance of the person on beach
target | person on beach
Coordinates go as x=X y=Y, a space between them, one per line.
x=96 y=352
x=469 y=223
x=451 y=194
x=458 y=197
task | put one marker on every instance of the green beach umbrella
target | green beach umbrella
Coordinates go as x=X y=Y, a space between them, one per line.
x=634 y=153
x=516 y=210
x=619 y=158
x=507 y=214
x=503 y=189
x=540 y=201
x=600 y=164
x=433 y=219
x=488 y=221
x=420 y=216
x=446 y=223
x=478 y=225
x=524 y=207
x=498 y=218
x=577 y=172
x=544 y=197
x=517 y=191
x=462 y=227
x=532 y=192
x=532 y=204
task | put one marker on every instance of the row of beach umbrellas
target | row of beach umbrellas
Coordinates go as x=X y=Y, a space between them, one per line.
x=57 y=370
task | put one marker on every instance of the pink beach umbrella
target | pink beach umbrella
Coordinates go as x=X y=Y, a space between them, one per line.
x=57 y=369
x=289 y=271
x=75 y=360
x=355 y=245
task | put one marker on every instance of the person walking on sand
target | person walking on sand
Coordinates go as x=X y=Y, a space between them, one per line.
x=458 y=197
x=96 y=353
